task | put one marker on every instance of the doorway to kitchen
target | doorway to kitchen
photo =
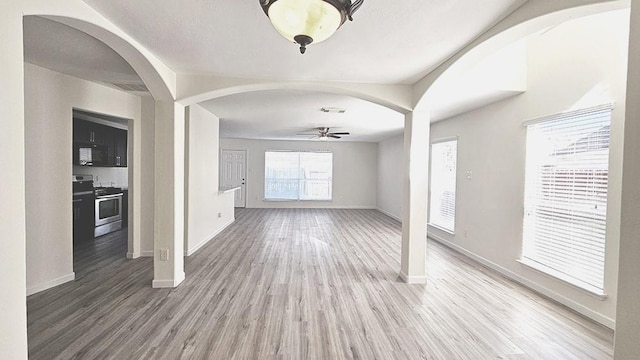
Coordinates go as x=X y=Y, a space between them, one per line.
x=100 y=190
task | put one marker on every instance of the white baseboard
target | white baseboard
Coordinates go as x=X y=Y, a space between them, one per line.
x=413 y=279
x=146 y=253
x=274 y=205
x=49 y=284
x=595 y=316
x=197 y=247
x=166 y=284
x=389 y=214
x=133 y=255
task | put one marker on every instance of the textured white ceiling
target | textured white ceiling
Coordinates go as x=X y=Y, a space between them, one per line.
x=281 y=114
x=388 y=41
x=63 y=49
x=396 y=43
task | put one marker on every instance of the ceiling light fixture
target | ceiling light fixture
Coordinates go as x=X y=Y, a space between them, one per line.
x=334 y=110
x=309 y=21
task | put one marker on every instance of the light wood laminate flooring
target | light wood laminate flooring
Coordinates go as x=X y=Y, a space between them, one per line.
x=306 y=284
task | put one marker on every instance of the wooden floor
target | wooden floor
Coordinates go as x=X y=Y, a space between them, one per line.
x=305 y=284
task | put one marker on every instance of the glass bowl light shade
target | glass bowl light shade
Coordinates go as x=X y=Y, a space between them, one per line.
x=308 y=21
x=314 y=18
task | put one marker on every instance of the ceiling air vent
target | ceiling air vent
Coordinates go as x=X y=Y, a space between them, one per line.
x=132 y=87
x=334 y=110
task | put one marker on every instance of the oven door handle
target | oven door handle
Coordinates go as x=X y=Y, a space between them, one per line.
x=105 y=197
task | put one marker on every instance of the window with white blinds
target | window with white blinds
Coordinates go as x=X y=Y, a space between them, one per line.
x=442 y=203
x=290 y=175
x=567 y=168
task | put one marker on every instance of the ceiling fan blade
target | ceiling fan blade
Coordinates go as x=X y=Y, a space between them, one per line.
x=341 y=133
x=334 y=136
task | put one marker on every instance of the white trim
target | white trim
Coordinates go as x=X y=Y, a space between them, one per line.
x=413 y=279
x=553 y=274
x=336 y=207
x=444 y=139
x=385 y=212
x=146 y=253
x=133 y=255
x=50 y=284
x=440 y=228
x=191 y=251
x=595 y=316
x=568 y=114
x=221 y=192
x=164 y=284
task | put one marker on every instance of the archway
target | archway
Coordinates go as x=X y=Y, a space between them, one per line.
x=523 y=22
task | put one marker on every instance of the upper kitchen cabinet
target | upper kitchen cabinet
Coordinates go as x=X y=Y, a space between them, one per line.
x=121 y=147
x=100 y=145
x=86 y=132
x=116 y=141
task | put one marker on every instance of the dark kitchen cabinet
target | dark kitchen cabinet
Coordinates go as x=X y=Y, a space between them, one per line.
x=125 y=208
x=116 y=141
x=86 y=132
x=112 y=140
x=120 y=147
x=83 y=218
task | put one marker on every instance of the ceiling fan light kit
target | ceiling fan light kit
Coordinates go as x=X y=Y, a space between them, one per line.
x=308 y=21
x=324 y=134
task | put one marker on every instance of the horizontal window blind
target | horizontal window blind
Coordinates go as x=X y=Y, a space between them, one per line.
x=292 y=175
x=442 y=203
x=567 y=169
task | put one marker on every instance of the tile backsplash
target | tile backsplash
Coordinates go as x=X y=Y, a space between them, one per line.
x=105 y=176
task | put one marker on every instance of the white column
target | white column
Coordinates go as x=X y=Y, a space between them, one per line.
x=135 y=184
x=168 y=259
x=415 y=191
x=627 y=329
x=13 y=310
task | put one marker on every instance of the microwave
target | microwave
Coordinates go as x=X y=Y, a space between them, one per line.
x=90 y=155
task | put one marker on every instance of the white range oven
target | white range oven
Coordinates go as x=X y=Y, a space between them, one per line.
x=108 y=213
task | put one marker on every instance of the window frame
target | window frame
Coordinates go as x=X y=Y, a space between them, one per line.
x=442 y=227
x=535 y=264
x=298 y=199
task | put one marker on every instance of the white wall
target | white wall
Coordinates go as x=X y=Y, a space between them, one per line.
x=208 y=212
x=390 y=155
x=13 y=309
x=564 y=74
x=49 y=100
x=147 y=188
x=574 y=65
x=627 y=345
x=354 y=172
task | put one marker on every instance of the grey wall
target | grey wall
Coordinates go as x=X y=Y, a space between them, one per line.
x=355 y=166
x=390 y=155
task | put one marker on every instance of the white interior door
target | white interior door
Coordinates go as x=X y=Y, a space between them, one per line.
x=234 y=173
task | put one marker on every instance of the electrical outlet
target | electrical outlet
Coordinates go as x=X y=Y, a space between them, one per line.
x=219 y=215
x=469 y=175
x=164 y=254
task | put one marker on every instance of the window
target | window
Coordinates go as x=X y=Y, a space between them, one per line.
x=567 y=168
x=292 y=175
x=442 y=204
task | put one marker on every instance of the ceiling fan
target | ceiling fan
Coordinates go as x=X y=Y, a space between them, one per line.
x=324 y=134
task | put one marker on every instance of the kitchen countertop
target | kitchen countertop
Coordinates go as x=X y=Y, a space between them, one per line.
x=228 y=190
